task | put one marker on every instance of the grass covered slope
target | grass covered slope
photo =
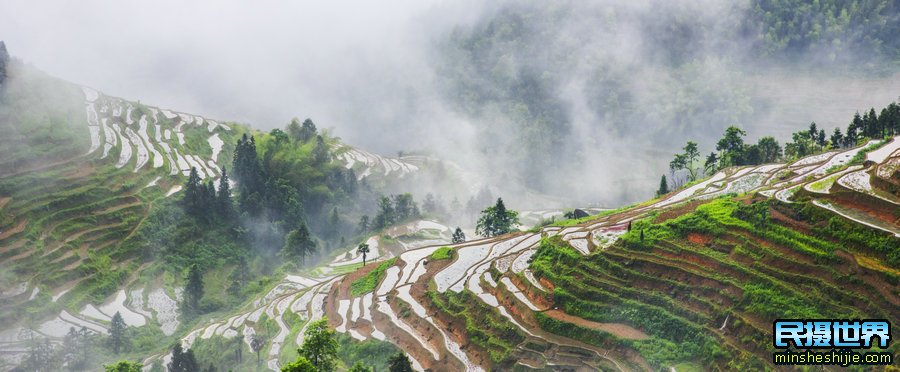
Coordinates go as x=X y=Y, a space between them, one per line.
x=706 y=283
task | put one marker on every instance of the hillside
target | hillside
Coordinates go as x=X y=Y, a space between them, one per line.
x=110 y=206
x=91 y=219
x=688 y=281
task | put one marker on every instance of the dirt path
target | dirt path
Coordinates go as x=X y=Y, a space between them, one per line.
x=617 y=329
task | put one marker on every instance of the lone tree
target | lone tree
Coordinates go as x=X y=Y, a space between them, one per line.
x=117 y=329
x=363 y=249
x=193 y=291
x=399 y=363
x=496 y=220
x=299 y=244
x=663 y=186
x=458 y=236
x=319 y=345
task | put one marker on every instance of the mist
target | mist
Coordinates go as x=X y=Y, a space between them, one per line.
x=602 y=93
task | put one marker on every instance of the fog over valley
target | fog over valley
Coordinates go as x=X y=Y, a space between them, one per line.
x=600 y=93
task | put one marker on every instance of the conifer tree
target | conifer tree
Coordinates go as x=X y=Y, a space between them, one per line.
x=223 y=196
x=117 y=329
x=193 y=291
x=458 y=236
x=299 y=244
x=837 y=138
x=663 y=186
x=193 y=193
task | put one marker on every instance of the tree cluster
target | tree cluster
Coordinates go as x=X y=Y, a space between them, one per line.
x=202 y=201
x=732 y=151
x=391 y=210
x=841 y=30
x=284 y=180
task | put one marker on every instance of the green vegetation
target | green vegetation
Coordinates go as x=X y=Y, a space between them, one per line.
x=678 y=279
x=124 y=366
x=842 y=32
x=369 y=353
x=733 y=151
x=442 y=253
x=496 y=220
x=399 y=362
x=368 y=283
x=485 y=327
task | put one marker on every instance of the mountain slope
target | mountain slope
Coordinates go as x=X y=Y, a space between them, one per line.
x=91 y=221
x=696 y=281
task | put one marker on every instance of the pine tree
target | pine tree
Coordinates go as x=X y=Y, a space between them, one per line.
x=663 y=186
x=852 y=135
x=208 y=206
x=837 y=138
x=458 y=236
x=117 y=329
x=299 y=244
x=193 y=193
x=223 y=196
x=193 y=291
x=183 y=361
x=246 y=169
x=386 y=215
